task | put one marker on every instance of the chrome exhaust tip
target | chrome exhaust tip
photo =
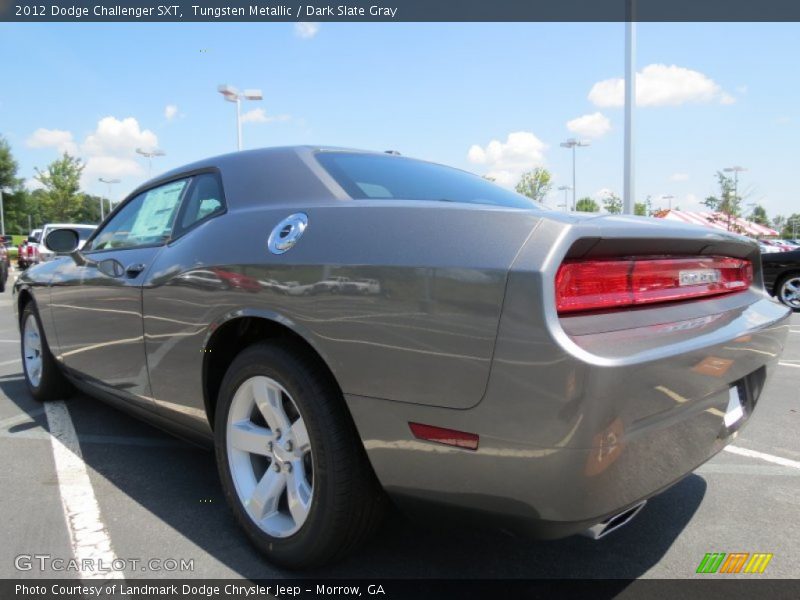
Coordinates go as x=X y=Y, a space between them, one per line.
x=603 y=528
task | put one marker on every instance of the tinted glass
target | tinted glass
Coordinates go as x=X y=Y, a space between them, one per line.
x=84 y=232
x=144 y=221
x=376 y=176
x=204 y=199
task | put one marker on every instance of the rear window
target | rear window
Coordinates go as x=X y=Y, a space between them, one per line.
x=377 y=176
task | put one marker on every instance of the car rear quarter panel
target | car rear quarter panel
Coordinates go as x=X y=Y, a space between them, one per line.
x=424 y=334
x=584 y=416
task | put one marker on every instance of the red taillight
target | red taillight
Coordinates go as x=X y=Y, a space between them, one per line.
x=604 y=284
x=449 y=437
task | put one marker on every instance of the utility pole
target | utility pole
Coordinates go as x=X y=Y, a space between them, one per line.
x=630 y=104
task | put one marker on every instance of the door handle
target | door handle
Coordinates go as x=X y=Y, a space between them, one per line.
x=134 y=270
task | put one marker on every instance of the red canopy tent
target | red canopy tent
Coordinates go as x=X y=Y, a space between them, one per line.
x=716 y=220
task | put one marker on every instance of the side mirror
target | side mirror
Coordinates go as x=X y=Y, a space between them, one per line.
x=62 y=241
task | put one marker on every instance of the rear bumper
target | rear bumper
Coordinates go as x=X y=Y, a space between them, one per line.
x=577 y=427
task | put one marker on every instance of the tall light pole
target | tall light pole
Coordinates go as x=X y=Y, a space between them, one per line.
x=149 y=154
x=670 y=198
x=231 y=94
x=110 y=182
x=565 y=189
x=630 y=103
x=573 y=143
x=735 y=170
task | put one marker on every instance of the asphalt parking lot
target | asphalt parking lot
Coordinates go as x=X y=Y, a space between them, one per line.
x=159 y=498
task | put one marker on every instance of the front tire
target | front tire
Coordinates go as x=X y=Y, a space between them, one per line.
x=42 y=374
x=788 y=291
x=291 y=463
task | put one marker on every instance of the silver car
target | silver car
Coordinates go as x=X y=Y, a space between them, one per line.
x=548 y=372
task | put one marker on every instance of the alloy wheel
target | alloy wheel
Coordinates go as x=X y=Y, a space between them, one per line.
x=790 y=292
x=32 y=350
x=270 y=456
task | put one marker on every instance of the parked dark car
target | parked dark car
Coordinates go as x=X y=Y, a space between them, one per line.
x=782 y=276
x=547 y=372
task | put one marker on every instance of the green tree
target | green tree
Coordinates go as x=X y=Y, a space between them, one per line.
x=535 y=184
x=613 y=204
x=790 y=227
x=728 y=203
x=760 y=215
x=587 y=205
x=640 y=209
x=778 y=221
x=8 y=167
x=89 y=211
x=14 y=194
x=61 y=181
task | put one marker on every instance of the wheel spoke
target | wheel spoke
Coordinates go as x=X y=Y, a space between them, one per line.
x=300 y=435
x=264 y=500
x=249 y=437
x=269 y=402
x=298 y=493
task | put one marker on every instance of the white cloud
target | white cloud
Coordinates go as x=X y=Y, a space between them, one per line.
x=661 y=85
x=115 y=137
x=506 y=161
x=306 y=30
x=679 y=177
x=170 y=111
x=33 y=184
x=53 y=138
x=259 y=115
x=594 y=125
x=109 y=151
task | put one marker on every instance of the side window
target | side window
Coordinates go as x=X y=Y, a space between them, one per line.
x=144 y=221
x=203 y=199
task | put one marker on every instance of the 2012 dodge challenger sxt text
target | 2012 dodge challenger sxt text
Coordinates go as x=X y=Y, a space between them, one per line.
x=347 y=326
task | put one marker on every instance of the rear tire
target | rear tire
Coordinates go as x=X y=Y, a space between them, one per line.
x=787 y=290
x=42 y=374
x=292 y=466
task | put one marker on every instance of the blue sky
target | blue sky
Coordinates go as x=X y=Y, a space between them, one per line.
x=491 y=98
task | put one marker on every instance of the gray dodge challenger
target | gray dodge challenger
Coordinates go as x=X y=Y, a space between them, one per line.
x=348 y=327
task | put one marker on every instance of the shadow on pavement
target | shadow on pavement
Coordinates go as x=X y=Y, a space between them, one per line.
x=177 y=483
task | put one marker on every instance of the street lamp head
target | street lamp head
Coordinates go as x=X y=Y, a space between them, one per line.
x=230 y=93
x=150 y=153
x=253 y=95
x=564 y=187
x=736 y=169
x=572 y=143
x=103 y=180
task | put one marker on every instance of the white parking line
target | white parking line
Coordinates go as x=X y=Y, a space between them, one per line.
x=10 y=362
x=778 y=460
x=87 y=533
x=783 y=363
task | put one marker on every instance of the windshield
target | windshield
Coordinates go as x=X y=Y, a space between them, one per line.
x=379 y=176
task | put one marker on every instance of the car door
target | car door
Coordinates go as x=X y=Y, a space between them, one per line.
x=96 y=298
